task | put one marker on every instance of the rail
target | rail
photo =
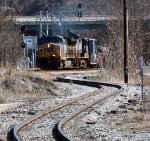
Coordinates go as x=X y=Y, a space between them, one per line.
x=19 y=126
x=58 y=134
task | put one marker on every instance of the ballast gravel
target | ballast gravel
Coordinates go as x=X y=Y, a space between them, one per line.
x=121 y=118
x=11 y=117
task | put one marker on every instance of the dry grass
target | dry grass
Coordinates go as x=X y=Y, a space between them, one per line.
x=17 y=85
x=136 y=119
x=111 y=76
x=2 y=100
x=136 y=80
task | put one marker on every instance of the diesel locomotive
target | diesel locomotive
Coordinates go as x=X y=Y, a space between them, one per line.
x=55 y=52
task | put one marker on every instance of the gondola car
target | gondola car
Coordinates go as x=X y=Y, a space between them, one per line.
x=56 y=52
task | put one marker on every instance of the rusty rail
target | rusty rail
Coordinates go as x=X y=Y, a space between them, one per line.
x=19 y=126
x=58 y=134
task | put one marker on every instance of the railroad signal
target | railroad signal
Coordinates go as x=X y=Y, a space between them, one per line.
x=23 y=45
x=79 y=10
x=22 y=29
x=79 y=5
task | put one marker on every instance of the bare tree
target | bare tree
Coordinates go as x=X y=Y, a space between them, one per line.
x=137 y=13
x=9 y=40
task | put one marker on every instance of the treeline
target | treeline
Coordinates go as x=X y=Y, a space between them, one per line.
x=10 y=49
x=94 y=7
x=138 y=34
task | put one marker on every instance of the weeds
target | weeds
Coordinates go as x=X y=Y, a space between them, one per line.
x=17 y=84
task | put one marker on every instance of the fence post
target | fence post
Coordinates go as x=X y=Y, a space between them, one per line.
x=141 y=65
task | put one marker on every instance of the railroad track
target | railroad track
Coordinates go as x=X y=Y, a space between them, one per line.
x=58 y=131
x=64 y=69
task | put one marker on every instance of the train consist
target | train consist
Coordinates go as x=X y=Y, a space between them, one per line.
x=56 y=52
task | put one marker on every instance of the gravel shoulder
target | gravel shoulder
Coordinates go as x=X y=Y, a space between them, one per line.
x=7 y=106
x=120 y=119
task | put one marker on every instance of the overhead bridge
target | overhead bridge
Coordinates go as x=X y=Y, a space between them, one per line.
x=34 y=19
x=57 y=24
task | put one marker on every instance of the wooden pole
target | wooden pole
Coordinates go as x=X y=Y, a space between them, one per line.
x=125 y=14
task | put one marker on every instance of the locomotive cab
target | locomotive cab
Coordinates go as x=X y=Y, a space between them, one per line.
x=49 y=52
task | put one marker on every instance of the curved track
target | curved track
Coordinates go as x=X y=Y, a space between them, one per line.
x=58 y=130
x=58 y=134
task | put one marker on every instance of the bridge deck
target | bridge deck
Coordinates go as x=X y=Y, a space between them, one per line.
x=50 y=20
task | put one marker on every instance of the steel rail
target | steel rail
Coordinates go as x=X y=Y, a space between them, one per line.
x=87 y=82
x=19 y=126
x=59 y=135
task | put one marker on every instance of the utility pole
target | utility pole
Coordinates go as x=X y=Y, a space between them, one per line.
x=40 y=23
x=47 y=24
x=5 y=5
x=125 y=15
x=50 y=9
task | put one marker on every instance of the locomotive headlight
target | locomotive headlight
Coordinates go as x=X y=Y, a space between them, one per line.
x=54 y=55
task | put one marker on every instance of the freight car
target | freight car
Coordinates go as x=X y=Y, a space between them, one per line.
x=56 y=52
